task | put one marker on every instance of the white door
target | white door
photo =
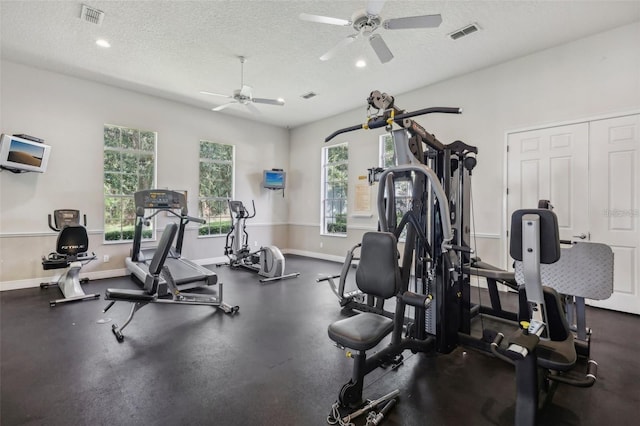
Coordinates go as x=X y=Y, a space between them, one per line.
x=615 y=204
x=551 y=164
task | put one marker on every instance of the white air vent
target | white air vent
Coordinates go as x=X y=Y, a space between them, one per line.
x=91 y=14
x=308 y=95
x=469 y=29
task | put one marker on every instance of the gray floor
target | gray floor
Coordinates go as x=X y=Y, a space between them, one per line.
x=271 y=364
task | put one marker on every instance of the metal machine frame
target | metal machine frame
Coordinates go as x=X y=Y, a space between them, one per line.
x=187 y=274
x=267 y=261
x=150 y=293
x=71 y=253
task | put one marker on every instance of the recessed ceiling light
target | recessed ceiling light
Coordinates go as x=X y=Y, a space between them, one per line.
x=361 y=64
x=281 y=100
x=103 y=43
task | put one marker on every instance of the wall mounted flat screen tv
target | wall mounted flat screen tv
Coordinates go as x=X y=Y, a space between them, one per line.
x=274 y=179
x=22 y=155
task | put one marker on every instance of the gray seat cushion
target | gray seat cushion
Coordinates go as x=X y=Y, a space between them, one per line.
x=361 y=332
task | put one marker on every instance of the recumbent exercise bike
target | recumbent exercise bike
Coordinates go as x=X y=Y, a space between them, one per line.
x=72 y=253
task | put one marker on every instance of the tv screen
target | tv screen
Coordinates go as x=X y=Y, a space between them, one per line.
x=274 y=179
x=20 y=154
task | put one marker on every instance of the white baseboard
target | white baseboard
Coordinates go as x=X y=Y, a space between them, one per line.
x=211 y=260
x=315 y=255
x=35 y=282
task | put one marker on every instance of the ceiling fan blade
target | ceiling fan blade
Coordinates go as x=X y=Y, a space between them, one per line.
x=246 y=91
x=341 y=44
x=215 y=94
x=381 y=48
x=251 y=107
x=268 y=101
x=424 y=21
x=374 y=7
x=324 y=19
x=223 y=106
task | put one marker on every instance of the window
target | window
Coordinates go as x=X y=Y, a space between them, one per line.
x=216 y=187
x=403 y=185
x=335 y=163
x=129 y=166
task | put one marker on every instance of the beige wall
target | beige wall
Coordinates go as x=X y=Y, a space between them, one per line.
x=69 y=113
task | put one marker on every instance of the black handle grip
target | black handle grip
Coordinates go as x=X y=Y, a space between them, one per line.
x=330 y=277
x=382 y=121
x=415 y=299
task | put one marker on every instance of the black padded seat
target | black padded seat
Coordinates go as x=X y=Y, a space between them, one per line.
x=378 y=275
x=361 y=332
x=128 y=295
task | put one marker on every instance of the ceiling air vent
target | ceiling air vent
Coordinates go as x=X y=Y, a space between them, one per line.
x=91 y=14
x=309 y=95
x=469 y=29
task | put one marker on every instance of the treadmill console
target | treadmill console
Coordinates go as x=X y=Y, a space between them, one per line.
x=160 y=199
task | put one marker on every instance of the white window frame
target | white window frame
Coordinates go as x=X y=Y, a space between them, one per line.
x=127 y=197
x=403 y=190
x=325 y=166
x=225 y=215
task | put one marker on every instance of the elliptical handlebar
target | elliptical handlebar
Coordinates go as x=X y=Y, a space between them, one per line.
x=51 y=225
x=240 y=210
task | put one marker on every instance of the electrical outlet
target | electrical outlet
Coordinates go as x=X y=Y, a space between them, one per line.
x=106 y=258
x=255 y=244
x=320 y=244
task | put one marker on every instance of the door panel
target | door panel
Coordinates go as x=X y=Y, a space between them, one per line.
x=615 y=203
x=551 y=164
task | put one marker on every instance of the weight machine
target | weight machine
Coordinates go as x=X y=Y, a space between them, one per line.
x=430 y=279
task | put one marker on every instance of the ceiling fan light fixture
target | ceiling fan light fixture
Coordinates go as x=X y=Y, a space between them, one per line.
x=103 y=43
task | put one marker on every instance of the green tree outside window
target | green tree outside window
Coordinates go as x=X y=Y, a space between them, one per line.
x=128 y=167
x=335 y=189
x=216 y=187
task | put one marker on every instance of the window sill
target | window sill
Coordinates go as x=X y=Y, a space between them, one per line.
x=212 y=236
x=333 y=235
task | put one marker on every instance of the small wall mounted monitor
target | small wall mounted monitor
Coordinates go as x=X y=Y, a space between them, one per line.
x=274 y=179
x=18 y=154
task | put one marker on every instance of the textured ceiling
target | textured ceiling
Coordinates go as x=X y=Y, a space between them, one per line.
x=175 y=49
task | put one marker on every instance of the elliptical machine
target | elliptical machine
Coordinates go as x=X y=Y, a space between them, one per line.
x=71 y=252
x=268 y=261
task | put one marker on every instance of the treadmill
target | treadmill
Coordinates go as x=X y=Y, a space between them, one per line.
x=187 y=274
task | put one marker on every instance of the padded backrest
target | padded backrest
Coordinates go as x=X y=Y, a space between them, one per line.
x=378 y=271
x=72 y=240
x=164 y=246
x=549 y=235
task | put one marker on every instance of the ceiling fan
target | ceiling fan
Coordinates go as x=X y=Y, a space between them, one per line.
x=243 y=95
x=367 y=22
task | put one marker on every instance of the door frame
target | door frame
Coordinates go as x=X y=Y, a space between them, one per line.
x=505 y=166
